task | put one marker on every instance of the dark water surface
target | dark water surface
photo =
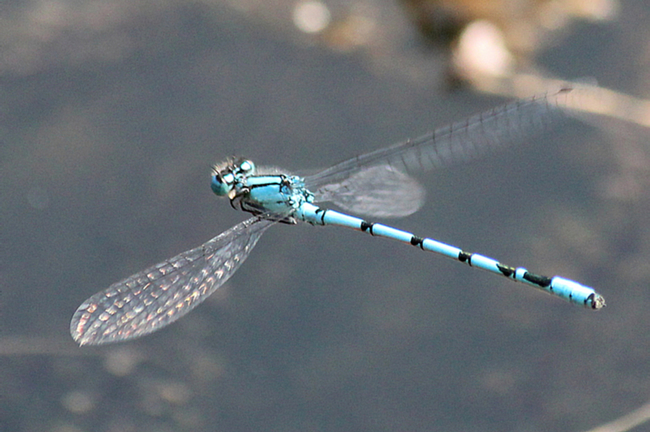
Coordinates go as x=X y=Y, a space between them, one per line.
x=107 y=137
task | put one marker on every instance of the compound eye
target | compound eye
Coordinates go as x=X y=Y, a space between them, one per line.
x=222 y=184
x=247 y=167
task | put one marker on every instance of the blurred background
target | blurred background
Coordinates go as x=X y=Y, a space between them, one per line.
x=113 y=111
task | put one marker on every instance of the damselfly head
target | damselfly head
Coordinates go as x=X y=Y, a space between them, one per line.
x=227 y=174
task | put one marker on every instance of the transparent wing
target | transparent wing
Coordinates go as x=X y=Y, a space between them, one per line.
x=380 y=191
x=161 y=294
x=460 y=141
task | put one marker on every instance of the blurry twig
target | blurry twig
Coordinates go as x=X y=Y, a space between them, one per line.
x=596 y=100
x=627 y=422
